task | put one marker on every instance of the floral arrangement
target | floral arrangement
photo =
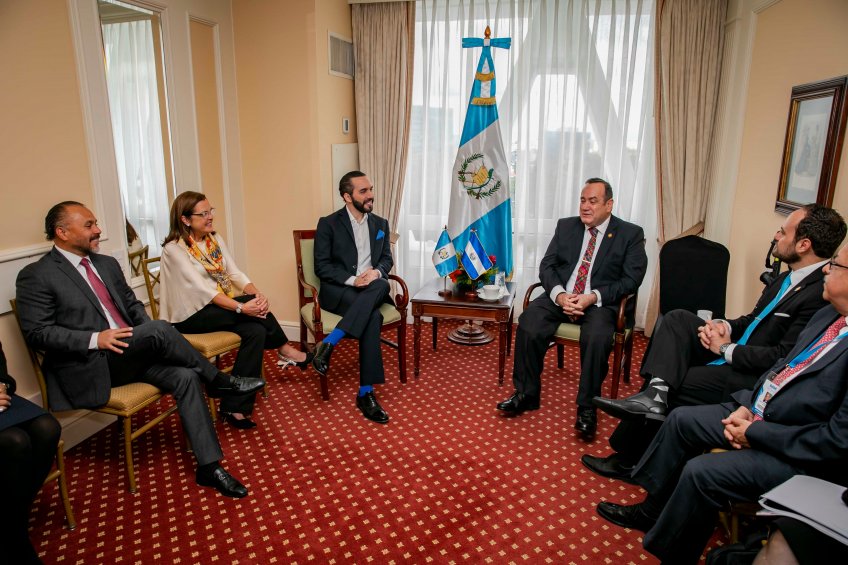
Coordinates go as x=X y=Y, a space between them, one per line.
x=461 y=278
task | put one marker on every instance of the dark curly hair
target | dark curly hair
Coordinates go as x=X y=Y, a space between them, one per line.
x=824 y=227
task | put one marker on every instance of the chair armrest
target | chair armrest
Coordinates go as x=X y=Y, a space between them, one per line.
x=530 y=290
x=316 y=306
x=402 y=299
x=621 y=320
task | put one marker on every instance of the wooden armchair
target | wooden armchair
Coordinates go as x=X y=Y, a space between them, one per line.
x=622 y=340
x=321 y=322
x=124 y=402
x=137 y=259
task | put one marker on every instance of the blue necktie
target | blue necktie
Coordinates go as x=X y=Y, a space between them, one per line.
x=756 y=322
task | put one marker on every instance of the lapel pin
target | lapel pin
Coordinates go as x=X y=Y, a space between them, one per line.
x=609 y=235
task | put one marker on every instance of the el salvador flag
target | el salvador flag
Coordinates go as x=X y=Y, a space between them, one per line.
x=480 y=187
x=444 y=257
x=474 y=259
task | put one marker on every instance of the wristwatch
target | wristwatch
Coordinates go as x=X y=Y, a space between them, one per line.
x=238 y=308
x=722 y=348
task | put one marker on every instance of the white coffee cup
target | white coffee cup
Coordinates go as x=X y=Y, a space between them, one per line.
x=491 y=292
x=705 y=315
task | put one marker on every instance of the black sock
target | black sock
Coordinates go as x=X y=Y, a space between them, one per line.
x=222 y=379
x=207 y=469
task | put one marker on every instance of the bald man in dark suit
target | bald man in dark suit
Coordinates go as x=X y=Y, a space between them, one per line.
x=593 y=261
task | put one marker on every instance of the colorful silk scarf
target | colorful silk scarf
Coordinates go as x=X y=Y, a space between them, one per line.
x=208 y=253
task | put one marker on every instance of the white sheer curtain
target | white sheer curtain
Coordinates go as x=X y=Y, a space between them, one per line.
x=575 y=96
x=136 y=128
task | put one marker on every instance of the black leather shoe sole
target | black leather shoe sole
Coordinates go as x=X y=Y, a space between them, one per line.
x=626 y=410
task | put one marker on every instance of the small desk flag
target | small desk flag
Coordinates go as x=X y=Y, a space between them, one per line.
x=444 y=257
x=474 y=259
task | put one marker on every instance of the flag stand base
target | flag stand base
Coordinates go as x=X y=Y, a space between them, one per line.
x=470 y=334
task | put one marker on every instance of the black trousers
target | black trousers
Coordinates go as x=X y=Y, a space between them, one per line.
x=674 y=350
x=695 y=484
x=538 y=323
x=257 y=335
x=361 y=319
x=159 y=355
x=27 y=451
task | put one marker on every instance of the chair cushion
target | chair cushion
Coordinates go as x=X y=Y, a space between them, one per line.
x=571 y=332
x=329 y=320
x=213 y=343
x=129 y=396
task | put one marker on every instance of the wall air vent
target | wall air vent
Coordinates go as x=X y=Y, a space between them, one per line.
x=341 y=56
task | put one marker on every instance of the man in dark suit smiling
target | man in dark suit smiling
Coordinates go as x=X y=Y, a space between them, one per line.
x=77 y=307
x=592 y=261
x=353 y=259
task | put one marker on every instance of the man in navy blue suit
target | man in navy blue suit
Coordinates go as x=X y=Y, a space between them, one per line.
x=353 y=258
x=794 y=421
x=593 y=261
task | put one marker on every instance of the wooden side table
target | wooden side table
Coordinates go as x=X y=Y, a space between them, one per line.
x=427 y=302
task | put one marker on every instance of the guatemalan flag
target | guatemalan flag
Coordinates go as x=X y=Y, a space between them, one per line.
x=444 y=257
x=474 y=259
x=480 y=187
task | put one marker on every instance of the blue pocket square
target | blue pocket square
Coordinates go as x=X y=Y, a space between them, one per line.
x=380 y=235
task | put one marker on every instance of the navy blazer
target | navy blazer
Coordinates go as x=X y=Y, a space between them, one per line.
x=806 y=421
x=778 y=332
x=59 y=312
x=619 y=265
x=335 y=253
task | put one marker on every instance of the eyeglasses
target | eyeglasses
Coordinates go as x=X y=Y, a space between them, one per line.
x=832 y=263
x=204 y=214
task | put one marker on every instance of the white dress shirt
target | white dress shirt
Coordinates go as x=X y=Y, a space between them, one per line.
x=361 y=237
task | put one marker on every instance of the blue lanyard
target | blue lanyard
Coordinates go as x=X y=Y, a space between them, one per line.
x=810 y=350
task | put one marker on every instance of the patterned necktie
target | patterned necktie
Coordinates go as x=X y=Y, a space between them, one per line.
x=790 y=371
x=829 y=335
x=103 y=294
x=756 y=321
x=585 y=264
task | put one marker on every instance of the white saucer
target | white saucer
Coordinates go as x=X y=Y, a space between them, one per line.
x=480 y=296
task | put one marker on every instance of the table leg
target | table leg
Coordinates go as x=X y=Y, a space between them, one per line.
x=416 y=343
x=502 y=344
x=435 y=332
x=509 y=334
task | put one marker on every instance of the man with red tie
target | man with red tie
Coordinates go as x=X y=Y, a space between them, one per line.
x=76 y=306
x=593 y=261
x=794 y=421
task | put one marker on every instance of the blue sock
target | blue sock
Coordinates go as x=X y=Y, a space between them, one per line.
x=335 y=336
x=363 y=390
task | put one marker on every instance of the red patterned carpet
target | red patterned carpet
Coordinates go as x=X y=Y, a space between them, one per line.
x=448 y=480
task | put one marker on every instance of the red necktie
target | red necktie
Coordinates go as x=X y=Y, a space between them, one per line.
x=585 y=264
x=103 y=294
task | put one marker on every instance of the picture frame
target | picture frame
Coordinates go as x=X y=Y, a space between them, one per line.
x=814 y=135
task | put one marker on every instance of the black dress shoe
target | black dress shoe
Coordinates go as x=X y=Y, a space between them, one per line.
x=518 y=403
x=611 y=467
x=371 y=409
x=633 y=516
x=228 y=385
x=239 y=423
x=321 y=357
x=220 y=479
x=587 y=423
x=639 y=405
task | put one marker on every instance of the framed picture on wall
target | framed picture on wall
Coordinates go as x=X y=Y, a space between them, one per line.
x=814 y=135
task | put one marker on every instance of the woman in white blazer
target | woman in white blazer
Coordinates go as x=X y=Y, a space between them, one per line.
x=202 y=290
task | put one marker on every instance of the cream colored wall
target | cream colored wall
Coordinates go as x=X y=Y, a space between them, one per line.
x=42 y=150
x=207 y=111
x=289 y=114
x=796 y=42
